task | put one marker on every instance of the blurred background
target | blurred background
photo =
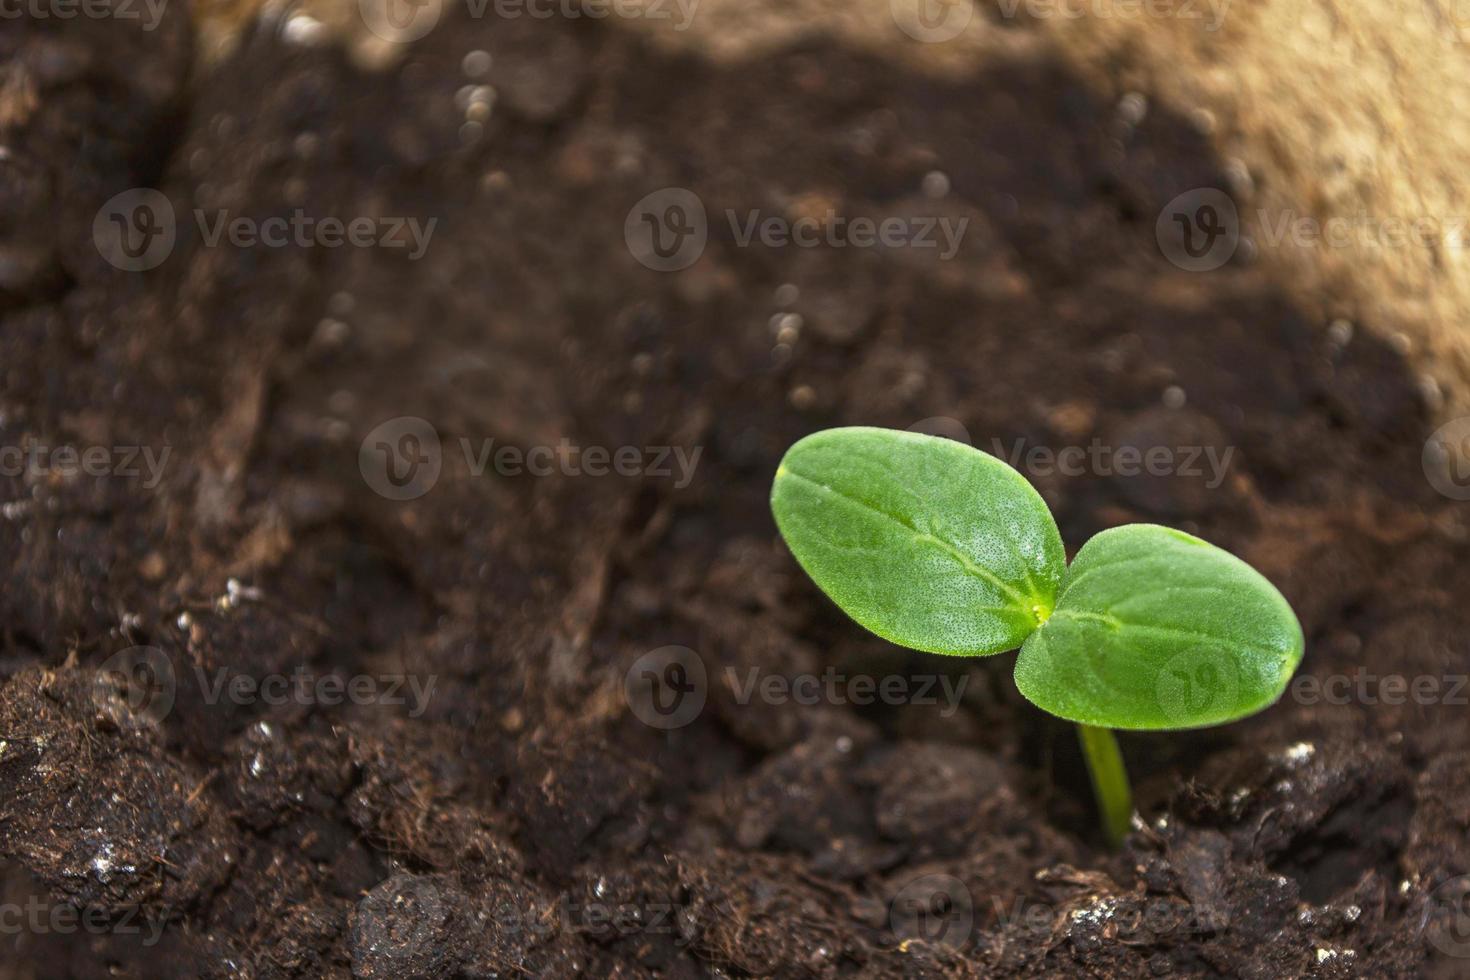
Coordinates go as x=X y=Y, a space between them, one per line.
x=389 y=396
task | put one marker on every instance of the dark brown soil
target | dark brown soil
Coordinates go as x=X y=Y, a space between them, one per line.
x=486 y=836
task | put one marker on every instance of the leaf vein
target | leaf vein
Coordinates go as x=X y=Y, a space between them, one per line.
x=949 y=548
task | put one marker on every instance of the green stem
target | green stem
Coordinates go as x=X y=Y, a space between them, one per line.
x=1109 y=780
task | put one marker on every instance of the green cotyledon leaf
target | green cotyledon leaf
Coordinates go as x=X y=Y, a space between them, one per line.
x=927 y=542
x=1156 y=629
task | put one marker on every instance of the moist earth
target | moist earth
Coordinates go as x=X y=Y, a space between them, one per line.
x=521 y=818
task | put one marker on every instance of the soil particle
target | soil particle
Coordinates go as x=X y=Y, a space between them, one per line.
x=147 y=841
x=410 y=926
x=526 y=822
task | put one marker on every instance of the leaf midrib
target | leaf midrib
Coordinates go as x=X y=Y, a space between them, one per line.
x=1118 y=625
x=1024 y=603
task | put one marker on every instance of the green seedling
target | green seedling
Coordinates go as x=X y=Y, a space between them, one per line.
x=936 y=546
